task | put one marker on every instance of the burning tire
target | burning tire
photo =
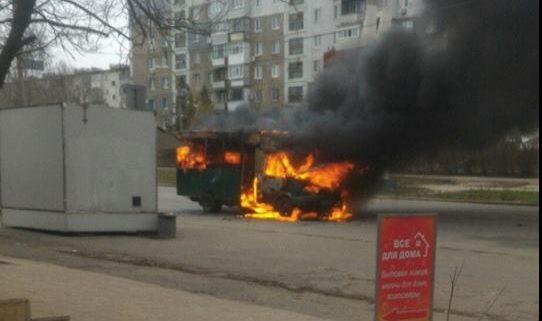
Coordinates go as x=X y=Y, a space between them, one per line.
x=284 y=205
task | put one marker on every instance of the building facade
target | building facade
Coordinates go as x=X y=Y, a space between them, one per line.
x=106 y=87
x=259 y=53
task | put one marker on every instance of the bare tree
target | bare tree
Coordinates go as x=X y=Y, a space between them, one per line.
x=454 y=279
x=30 y=25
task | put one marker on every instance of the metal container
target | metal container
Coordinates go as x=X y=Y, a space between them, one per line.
x=71 y=168
x=167 y=225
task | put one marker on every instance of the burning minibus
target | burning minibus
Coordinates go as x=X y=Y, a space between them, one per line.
x=252 y=171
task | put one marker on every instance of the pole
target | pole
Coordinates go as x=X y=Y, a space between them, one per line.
x=22 y=101
x=226 y=83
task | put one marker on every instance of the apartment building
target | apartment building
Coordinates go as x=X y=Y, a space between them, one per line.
x=381 y=16
x=94 y=86
x=260 y=53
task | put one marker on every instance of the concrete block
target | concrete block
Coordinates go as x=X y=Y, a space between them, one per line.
x=167 y=225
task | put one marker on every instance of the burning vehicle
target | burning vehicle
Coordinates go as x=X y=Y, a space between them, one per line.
x=210 y=168
x=250 y=170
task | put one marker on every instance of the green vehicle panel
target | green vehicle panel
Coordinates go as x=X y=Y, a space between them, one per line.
x=220 y=184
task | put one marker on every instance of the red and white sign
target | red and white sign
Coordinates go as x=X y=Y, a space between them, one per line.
x=405 y=272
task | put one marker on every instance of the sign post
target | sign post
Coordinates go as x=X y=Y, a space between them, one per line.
x=405 y=268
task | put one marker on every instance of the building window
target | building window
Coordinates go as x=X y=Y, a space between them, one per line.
x=152 y=62
x=197 y=58
x=275 y=47
x=295 y=70
x=258 y=72
x=239 y=25
x=163 y=103
x=164 y=83
x=236 y=71
x=275 y=94
x=180 y=40
x=195 y=13
x=238 y=4
x=348 y=34
x=317 y=15
x=296 y=21
x=317 y=41
x=275 y=71
x=218 y=51
x=258 y=95
x=351 y=7
x=236 y=48
x=317 y=66
x=152 y=85
x=236 y=94
x=408 y=25
x=295 y=94
x=220 y=96
x=296 y=2
x=220 y=27
x=180 y=61
x=181 y=82
x=258 y=3
x=219 y=75
x=275 y=22
x=257 y=25
x=150 y=104
x=258 y=49
x=296 y=46
x=216 y=8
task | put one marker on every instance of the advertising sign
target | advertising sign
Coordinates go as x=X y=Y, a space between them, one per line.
x=405 y=271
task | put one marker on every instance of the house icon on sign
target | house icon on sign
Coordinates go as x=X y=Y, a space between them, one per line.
x=421 y=242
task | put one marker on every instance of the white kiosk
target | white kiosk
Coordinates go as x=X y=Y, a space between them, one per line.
x=70 y=168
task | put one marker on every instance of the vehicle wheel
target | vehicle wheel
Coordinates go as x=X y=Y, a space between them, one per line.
x=210 y=205
x=284 y=205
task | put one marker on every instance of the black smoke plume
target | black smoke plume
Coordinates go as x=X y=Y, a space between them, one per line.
x=463 y=81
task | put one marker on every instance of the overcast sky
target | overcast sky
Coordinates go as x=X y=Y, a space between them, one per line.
x=109 y=52
x=112 y=50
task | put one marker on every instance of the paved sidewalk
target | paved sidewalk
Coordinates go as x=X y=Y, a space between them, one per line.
x=87 y=296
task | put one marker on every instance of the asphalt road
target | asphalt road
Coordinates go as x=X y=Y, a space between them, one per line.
x=313 y=268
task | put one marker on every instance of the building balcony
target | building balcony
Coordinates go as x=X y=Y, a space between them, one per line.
x=241 y=58
x=239 y=82
x=218 y=62
x=351 y=19
x=219 y=37
x=232 y=105
x=220 y=84
x=239 y=36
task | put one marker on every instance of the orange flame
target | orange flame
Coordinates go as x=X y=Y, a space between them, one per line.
x=324 y=177
x=191 y=158
x=327 y=176
x=264 y=211
x=232 y=158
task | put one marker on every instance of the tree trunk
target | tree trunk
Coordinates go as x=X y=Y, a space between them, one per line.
x=22 y=13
